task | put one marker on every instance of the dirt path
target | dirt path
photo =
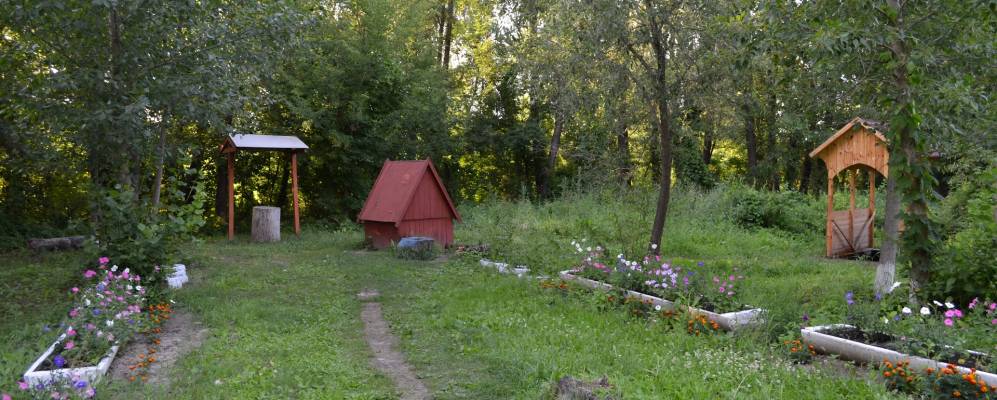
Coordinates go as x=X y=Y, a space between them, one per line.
x=180 y=334
x=387 y=358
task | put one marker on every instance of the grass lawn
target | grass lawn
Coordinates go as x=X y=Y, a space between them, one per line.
x=284 y=321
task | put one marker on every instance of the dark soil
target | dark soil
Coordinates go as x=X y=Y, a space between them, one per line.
x=885 y=341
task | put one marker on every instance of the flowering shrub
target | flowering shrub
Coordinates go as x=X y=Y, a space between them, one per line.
x=944 y=383
x=798 y=352
x=104 y=314
x=694 y=286
x=73 y=388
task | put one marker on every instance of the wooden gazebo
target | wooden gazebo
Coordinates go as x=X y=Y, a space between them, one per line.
x=859 y=145
x=234 y=143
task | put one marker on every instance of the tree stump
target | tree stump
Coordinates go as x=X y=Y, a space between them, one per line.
x=266 y=224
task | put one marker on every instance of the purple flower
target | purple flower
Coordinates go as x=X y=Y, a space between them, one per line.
x=80 y=384
x=59 y=361
x=806 y=317
x=96 y=311
x=850 y=298
x=700 y=263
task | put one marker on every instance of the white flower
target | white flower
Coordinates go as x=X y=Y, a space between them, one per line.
x=114 y=268
x=906 y=310
x=949 y=305
x=588 y=249
x=886 y=320
x=87 y=302
x=657 y=307
x=925 y=311
x=654 y=246
x=129 y=287
x=126 y=270
x=139 y=288
x=620 y=256
x=109 y=323
x=895 y=285
x=936 y=303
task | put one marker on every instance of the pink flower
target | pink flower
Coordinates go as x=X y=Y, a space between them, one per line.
x=731 y=278
x=722 y=289
x=71 y=332
x=6 y=396
x=993 y=306
x=948 y=322
x=89 y=274
x=69 y=345
x=973 y=303
x=993 y=321
x=22 y=385
x=75 y=290
x=91 y=327
x=958 y=313
x=73 y=313
x=103 y=260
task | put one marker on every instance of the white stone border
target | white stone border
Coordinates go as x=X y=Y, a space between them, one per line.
x=728 y=321
x=519 y=270
x=865 y=353
x=91 y=374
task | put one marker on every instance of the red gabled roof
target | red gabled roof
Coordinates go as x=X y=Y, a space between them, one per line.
x=394 y=189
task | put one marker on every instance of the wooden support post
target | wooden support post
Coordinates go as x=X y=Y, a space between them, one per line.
x=231 y=195
x=830 y=210
x=294 y=191
x=851 y=208
x=872 y=203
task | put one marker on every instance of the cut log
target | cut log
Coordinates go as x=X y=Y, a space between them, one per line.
x=266 y=224
x=59 y=243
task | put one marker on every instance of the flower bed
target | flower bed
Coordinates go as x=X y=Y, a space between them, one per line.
x=41 y=373
x=667 y=285
x=829 y=339
x=729 y=321
x=927 y=349
x=103 y=317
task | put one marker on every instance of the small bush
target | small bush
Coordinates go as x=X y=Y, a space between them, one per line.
x=965 y=266
x=129 y=233
x=788 y=211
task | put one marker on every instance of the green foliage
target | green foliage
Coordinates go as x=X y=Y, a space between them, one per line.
x=788 y=211
x=965 y=265
x=131 y=236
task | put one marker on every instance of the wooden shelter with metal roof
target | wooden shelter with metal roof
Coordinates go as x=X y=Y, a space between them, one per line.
x=857 y=146
x=248 y=142
x=408 y=199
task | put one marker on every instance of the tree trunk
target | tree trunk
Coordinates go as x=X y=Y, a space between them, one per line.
x=266 y=224
x=708 y=145
x=654 y=144
x=887 y=267
x=751 y=145
x=906 y=163
x=447 y=34
x=805 y=171
x=555 y=145
x=221 y=187
x=771 y=159
x=659 y=46
x=157 y=182
x=623 y=150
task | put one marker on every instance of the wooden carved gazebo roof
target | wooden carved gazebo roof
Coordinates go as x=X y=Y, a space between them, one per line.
x=860 y=141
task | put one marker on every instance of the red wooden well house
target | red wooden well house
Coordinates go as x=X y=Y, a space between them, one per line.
x=858 y=146
x=408 y=199
x=247 y=142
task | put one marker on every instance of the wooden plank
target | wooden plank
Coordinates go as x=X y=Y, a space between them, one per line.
x=830 y=210
x=851 y=204
x=294 y=191
x=231 y=196
x=872 y=202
